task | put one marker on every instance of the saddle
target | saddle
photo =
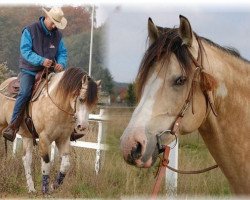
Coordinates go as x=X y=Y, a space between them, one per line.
x=12 y=89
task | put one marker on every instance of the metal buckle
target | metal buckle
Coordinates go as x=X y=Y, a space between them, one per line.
x=158 y=138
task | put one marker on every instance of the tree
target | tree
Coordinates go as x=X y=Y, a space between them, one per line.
x=131 y=98
x=78 y=50
x=76 y=37
x=4 y=72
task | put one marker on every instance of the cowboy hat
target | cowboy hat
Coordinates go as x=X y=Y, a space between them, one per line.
x=57 y=17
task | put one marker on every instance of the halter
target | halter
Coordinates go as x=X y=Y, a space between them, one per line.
x=176 y=125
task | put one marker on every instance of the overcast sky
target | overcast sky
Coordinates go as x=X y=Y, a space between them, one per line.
x=127 y=30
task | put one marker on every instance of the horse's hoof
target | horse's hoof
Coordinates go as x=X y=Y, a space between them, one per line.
x=32 y=191
x=54 y=186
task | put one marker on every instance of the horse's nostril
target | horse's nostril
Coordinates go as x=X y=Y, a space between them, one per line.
x=136 y=151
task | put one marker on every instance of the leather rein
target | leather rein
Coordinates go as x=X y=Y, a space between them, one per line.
x=59 y=107
x=176 y=125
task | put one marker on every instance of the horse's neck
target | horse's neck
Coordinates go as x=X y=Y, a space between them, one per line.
x=227 y=136
x=55 y=82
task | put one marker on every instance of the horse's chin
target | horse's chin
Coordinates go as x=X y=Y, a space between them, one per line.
x=149 y=162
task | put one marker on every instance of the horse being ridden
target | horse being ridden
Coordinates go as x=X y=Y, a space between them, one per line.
x=71 y=96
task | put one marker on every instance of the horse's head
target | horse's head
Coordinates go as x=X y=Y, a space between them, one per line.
x=79 y=93
x=84 y=102
x=173 y=89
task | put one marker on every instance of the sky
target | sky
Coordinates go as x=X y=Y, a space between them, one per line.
x=225 y=22
x=126 y=36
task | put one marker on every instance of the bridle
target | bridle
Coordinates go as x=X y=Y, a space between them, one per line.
x=58 y=106
x=176 y=125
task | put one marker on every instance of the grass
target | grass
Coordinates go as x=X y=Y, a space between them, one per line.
x=116 y=178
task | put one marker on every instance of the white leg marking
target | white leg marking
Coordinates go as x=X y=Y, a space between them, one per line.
x=27 y=161
x=45 y=167
x=65 y=164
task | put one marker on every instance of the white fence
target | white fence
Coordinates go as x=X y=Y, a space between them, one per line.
x=82 y=144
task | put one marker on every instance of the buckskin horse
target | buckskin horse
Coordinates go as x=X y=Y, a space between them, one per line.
x=61 y=108
x=186 y=82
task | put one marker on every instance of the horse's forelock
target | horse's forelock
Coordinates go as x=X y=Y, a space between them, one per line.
x=91 y=96
x=70 y=83
x=168 y=42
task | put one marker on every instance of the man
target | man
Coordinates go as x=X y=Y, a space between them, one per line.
x=41 y=44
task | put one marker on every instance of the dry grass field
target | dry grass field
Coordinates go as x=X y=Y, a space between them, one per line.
x=116 y=179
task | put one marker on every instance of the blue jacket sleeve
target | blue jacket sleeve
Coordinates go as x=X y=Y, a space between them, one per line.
x=26 y=50
x=61 y=55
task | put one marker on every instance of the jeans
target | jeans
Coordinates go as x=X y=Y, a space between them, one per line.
x=27 y=82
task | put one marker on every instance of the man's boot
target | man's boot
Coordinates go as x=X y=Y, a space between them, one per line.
x=75 y=136
x=10 y=132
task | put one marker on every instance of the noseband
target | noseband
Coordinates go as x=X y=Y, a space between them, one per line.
x=199 y=67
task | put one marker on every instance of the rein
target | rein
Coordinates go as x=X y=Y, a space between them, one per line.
x=176 y=125
x=47 y=89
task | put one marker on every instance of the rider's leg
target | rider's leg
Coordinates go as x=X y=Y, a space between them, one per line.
x=26 y=84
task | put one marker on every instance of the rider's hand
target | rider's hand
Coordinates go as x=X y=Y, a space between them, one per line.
x=47 y=63
x=58 y=67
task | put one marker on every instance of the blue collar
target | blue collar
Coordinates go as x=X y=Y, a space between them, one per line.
x=47 y=32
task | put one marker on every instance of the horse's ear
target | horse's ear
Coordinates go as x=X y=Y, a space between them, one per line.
x=185 y=31
x=98 y=83
x=153 y=32
x=84 y=79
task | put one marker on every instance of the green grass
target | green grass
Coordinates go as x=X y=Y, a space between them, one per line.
x=116 y=179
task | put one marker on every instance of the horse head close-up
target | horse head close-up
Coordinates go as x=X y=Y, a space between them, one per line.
x=186 y=83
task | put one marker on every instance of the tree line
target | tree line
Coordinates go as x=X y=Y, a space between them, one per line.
x=76 y=37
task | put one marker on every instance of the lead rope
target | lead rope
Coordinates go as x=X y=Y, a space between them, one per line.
x=163 y=164
x=160 y=173
x=47 y=89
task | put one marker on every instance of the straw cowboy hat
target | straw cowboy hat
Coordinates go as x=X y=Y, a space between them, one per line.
x=57 y=17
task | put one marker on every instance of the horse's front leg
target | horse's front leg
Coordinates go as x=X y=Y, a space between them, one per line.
x=44 y=146
x=63 y=149
x=27 y=161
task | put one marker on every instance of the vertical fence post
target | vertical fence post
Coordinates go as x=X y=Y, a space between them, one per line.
x=99 y=138
x=171 y=177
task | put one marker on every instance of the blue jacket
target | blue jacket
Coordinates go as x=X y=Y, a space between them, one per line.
x=30 y=56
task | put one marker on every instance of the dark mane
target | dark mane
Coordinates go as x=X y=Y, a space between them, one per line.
x=170 y=42
x=71 y=83
x=167 y=43
x=230 y=50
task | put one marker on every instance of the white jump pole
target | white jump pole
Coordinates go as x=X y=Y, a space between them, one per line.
x=171 y=177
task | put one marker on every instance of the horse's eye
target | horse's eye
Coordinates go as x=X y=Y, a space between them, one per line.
x=180 y=80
